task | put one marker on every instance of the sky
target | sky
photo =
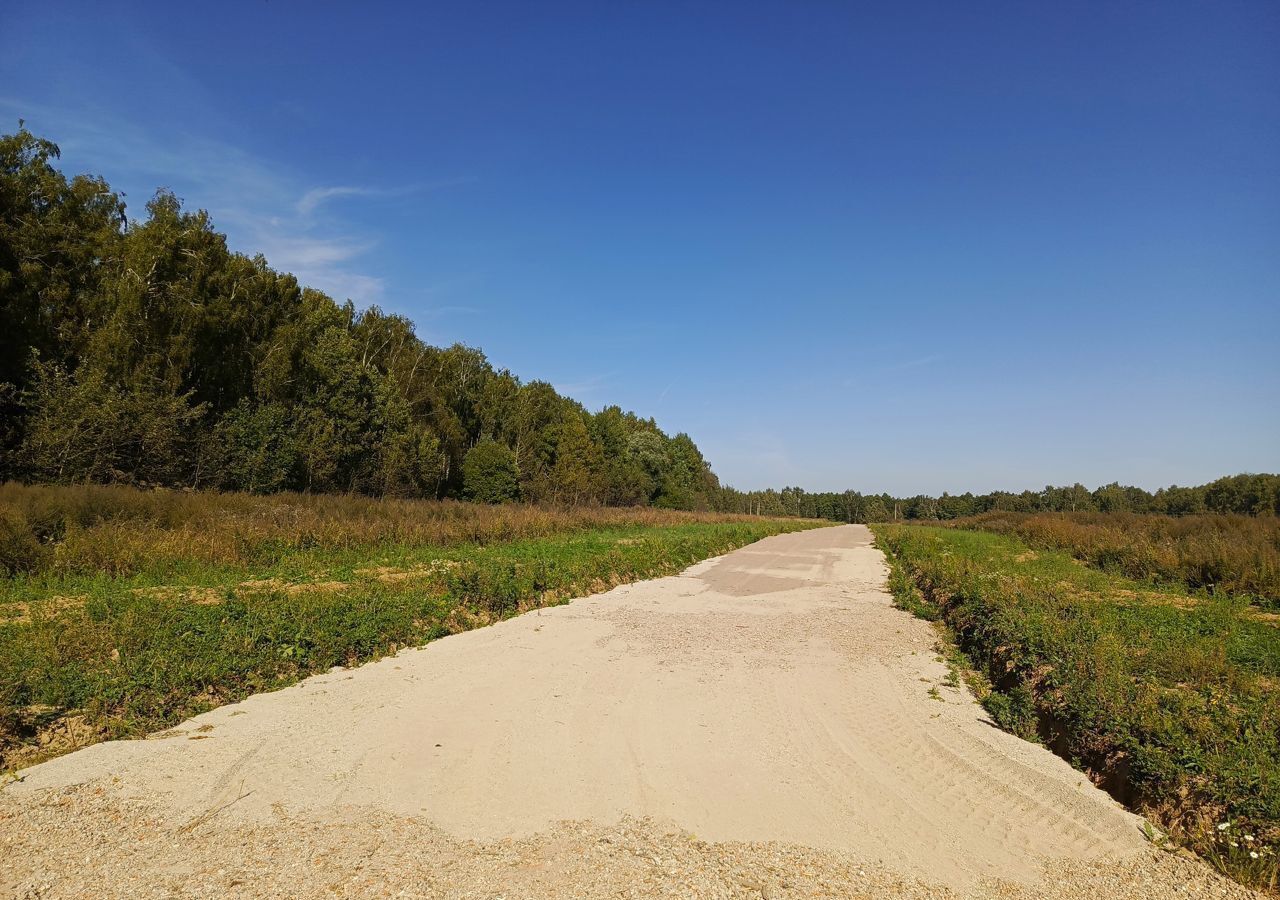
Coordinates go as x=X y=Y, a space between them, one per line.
x=888 y=247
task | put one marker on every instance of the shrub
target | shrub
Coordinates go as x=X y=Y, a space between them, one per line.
x=1014 y=711
x=20 y=549
x=489 y=473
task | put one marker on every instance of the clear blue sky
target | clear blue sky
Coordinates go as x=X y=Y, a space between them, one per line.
x=903 y=247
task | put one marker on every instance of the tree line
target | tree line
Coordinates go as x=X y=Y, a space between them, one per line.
x=144 y=351
x=1253 y=495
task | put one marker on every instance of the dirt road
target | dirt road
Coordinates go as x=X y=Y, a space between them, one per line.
x=765 y=724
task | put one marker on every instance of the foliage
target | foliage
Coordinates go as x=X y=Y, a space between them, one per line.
x=145 y=351
x=1013 y=711
x=490 y=474
x=85 y=427
x=1169 y=699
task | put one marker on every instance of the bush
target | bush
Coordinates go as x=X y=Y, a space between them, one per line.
x=490 y=474
x=256 y=449
x=1014 y=711
x=20 y=549
x=88 y=428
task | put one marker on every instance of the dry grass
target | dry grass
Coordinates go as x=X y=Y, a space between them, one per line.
x=115 y=530
x=1218 y=553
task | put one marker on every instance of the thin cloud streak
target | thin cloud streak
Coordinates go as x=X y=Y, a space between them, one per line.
x=313 y=198
x=260 y=206
x=436 y=312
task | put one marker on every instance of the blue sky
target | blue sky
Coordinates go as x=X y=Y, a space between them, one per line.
x=904 y=247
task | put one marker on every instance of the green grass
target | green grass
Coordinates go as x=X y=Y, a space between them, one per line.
x=1209 y=553
x=1171 y=699
x=91 y=656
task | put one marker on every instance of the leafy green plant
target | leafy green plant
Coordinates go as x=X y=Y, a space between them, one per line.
x=1014 y=711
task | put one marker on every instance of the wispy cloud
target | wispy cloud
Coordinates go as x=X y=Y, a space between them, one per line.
x=314 y=197
x=263 y=207
x=901 y=366
x=438 y=312
x=450 y=285
x=755 y=457
x=312 y=252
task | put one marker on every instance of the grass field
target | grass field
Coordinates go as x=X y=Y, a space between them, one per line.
x=1169 y=697
x=1215 y=553
x=133 y=610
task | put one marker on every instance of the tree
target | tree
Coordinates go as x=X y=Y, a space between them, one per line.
x=87 y=427
x=688 y=482
x=490 y=473
x=625 y=481
x=875 y=510
x=577 y=476
x=257 y=449
x=56 y=236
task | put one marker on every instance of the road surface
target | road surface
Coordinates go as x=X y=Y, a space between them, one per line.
x=765 y=724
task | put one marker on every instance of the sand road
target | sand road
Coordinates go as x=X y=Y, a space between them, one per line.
x=764 y=724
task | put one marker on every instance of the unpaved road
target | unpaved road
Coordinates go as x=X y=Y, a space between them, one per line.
x=765 y=724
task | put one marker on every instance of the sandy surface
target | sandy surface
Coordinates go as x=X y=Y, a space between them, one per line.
x=764 y=724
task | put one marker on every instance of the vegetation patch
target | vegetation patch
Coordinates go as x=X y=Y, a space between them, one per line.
x=1169 y=700
x=1232 y=554
x=195 y=600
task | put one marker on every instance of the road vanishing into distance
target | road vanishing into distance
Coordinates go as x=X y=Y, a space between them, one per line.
x=765 y=724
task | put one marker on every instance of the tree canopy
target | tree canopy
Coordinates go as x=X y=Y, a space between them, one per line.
x=145 y=351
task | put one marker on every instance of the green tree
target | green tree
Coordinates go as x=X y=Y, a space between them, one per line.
x=88 y=427
x=490 y=473
x=56 y=237
x=578 y=472
x=687 y=483
x=257 y=449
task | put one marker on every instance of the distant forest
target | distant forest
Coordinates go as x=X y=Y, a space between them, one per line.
x=1250 y=495
x=145 y=352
